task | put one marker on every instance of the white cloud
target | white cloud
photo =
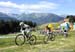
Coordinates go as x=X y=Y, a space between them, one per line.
x=38 y=7
x=8 y=4
x=5 y=10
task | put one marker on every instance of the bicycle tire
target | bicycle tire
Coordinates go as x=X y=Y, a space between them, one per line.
x=52 y=37
x=32 y=41
x=46 y=38
x=18 y=37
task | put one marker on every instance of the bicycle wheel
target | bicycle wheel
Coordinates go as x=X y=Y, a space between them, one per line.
x=46 y=38
x=65 y=35
x=20 y=39
x=32 y=39
x=52 y=37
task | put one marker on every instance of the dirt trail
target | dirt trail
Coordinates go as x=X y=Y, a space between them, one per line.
x=8 y=47
x=7 y=36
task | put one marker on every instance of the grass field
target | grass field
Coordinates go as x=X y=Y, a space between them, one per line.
x=60 y=44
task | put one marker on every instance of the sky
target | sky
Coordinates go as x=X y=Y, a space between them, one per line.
x=60 y=7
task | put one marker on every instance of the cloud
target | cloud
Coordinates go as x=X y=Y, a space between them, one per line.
x=8 y=4
x=38 y=7
x=5 y=10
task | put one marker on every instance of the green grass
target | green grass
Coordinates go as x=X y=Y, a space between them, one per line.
x=60 y=43
x=4 y=42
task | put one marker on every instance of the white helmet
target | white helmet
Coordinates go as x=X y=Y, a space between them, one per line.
x=21 y=23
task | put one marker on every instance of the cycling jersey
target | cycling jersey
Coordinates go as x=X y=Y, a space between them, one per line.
x=24 y=28
x=65 y=26
x=50 y=26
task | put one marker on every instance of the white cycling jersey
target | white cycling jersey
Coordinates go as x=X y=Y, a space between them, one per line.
x=24 y=28
x=65 y=25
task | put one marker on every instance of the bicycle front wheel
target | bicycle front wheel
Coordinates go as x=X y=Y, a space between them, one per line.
x=46 y=38
x=52 y=37
x=20 y=39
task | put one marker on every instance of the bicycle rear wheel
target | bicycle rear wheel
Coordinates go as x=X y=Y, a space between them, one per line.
x=20 y=39
x=32 y=39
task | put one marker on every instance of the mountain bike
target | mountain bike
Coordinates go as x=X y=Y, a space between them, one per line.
x=21 y=39
x=49 y=37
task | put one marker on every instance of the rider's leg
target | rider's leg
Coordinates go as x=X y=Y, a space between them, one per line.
x=22 y=31
x=27 y=33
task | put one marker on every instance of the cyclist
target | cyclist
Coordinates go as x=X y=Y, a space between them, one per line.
x=49 y=28
x=25 y=36
x=24 y=28
x=65 y=27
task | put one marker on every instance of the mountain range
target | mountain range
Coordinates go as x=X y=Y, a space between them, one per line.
x=6 y=17
x=39 y=18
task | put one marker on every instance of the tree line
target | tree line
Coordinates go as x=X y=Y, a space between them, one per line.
x=13 y=26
